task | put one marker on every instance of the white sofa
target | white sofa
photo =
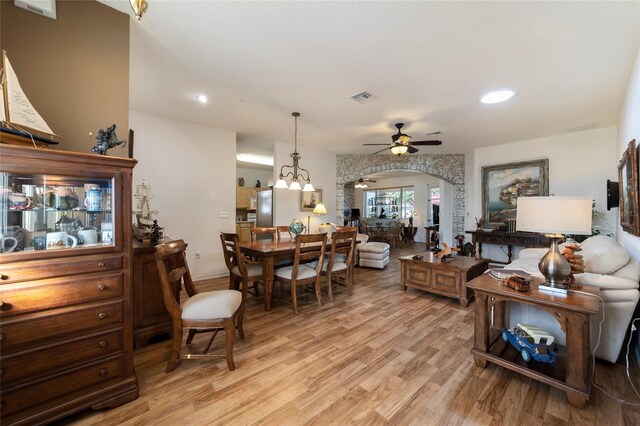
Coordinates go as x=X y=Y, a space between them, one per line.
x=607 y=266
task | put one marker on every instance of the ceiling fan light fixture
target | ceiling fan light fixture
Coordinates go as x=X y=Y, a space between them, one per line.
x=360 y=185
x=497 y=96
x=399 y=149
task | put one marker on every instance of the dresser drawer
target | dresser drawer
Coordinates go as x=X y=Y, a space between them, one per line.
x=418 y=274
x=41 y=269
x=62 y=386
x=445 y=281
x=39 y=328
x=55 y=292
x=47 y=360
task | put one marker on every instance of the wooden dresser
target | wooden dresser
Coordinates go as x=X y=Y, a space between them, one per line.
x=65 y=306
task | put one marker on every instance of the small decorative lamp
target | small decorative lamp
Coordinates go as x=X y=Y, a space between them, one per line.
x=318 y=209
x=554 y=216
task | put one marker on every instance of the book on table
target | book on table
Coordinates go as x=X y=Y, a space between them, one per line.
x=500 y=273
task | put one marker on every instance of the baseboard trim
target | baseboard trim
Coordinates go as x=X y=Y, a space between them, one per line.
x=211 y=275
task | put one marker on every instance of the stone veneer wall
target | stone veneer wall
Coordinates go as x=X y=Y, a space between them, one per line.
x=349 y=195
x=448 y=167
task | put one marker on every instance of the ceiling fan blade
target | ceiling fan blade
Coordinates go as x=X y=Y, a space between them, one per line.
x=412 y=150
x=378 y=152
x=418 y=143
x=381 y=144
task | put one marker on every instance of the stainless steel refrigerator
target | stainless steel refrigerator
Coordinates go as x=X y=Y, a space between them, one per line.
x=264 y=209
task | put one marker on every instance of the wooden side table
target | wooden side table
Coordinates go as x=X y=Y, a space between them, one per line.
x=572 y=371
x=446 y=278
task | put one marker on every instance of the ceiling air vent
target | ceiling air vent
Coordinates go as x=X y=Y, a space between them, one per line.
x=363 y=97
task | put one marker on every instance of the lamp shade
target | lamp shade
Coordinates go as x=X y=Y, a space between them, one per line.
x=281 y=184
x=295 y=186
x=554 y=215
x=320 y=209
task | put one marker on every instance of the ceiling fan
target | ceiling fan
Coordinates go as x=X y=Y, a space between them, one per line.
x=401 y=143
x=361 y=182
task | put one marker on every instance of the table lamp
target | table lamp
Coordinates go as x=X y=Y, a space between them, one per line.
x=318 y=209
x=554 y=216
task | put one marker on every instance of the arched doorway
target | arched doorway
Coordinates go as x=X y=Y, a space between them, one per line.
x=448 y=167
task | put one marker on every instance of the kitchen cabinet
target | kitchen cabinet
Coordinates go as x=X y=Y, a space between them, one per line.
x=244 y=195
x=65 y=288
x=243 y=229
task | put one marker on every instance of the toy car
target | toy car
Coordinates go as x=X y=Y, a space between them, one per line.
x=532 y=343
x=517 y=282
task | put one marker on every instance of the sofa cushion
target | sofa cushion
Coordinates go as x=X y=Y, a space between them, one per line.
x=603 y=255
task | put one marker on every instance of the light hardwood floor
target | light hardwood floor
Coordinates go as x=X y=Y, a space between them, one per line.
x=380 y=356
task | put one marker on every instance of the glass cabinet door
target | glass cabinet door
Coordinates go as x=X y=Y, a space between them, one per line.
x=50 y=212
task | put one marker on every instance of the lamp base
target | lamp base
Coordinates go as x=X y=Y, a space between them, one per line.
x=554 y=266
x=544 y=287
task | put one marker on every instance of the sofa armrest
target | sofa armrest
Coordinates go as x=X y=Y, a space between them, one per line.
x=532 y=253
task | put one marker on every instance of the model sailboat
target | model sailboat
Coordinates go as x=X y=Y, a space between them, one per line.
x=19 y=121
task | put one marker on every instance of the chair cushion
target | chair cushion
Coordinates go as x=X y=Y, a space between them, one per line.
x=253 y=270
x=303 y=272
x=338 y=265
x=603 y=255
x=211 y=305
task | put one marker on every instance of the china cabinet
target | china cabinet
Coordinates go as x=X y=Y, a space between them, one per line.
x=65 y=284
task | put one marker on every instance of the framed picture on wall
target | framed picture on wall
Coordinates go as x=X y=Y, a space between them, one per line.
x=628 y=187
x=502 y=184
x=309 y=200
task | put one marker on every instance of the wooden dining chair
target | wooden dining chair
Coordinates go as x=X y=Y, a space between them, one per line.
x=308 y=247
x=283 y=232
x=263 y=231
x=340 y=261
x=243 y=272
x=209 y=311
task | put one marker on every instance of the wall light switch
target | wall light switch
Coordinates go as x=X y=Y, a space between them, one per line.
x=223 y=215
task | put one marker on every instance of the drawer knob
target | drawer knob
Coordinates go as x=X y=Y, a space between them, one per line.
x=101 y=264
x=1 y=371
x=103 y=372
x=1 y=337
x=102 y=315
x=4 y=277
x=102 y=344
x=102 y=287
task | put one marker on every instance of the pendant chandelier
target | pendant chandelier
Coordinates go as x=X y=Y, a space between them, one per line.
x=297 y=173
x=139 y=7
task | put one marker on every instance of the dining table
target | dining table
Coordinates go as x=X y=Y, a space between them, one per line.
x=269 y=251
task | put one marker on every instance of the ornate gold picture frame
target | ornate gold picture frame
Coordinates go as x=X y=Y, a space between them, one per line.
x=628 y=184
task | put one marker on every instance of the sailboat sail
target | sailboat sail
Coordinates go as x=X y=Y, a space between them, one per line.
x=20 y=111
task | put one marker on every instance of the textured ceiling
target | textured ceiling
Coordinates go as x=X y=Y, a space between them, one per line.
x=427 y=62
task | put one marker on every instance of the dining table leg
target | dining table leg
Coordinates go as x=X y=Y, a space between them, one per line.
x=268 y=263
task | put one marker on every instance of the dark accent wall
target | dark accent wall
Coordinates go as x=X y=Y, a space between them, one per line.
x=74 y=70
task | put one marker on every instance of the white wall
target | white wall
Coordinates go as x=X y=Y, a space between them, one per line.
x=420 y=183
x=252 y=175
x=579 y=165
x=192 y=170
x=322 y=169
x=628 y=129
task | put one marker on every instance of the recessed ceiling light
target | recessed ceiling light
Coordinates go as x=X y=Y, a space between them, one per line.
x=256 y=159
x=201 y=98
x=497 y=96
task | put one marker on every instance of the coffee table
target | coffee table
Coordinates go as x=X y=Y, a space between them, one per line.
x=446 y=278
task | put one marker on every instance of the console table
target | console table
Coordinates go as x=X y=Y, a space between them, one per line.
x=572 y=370
x=524 y=239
